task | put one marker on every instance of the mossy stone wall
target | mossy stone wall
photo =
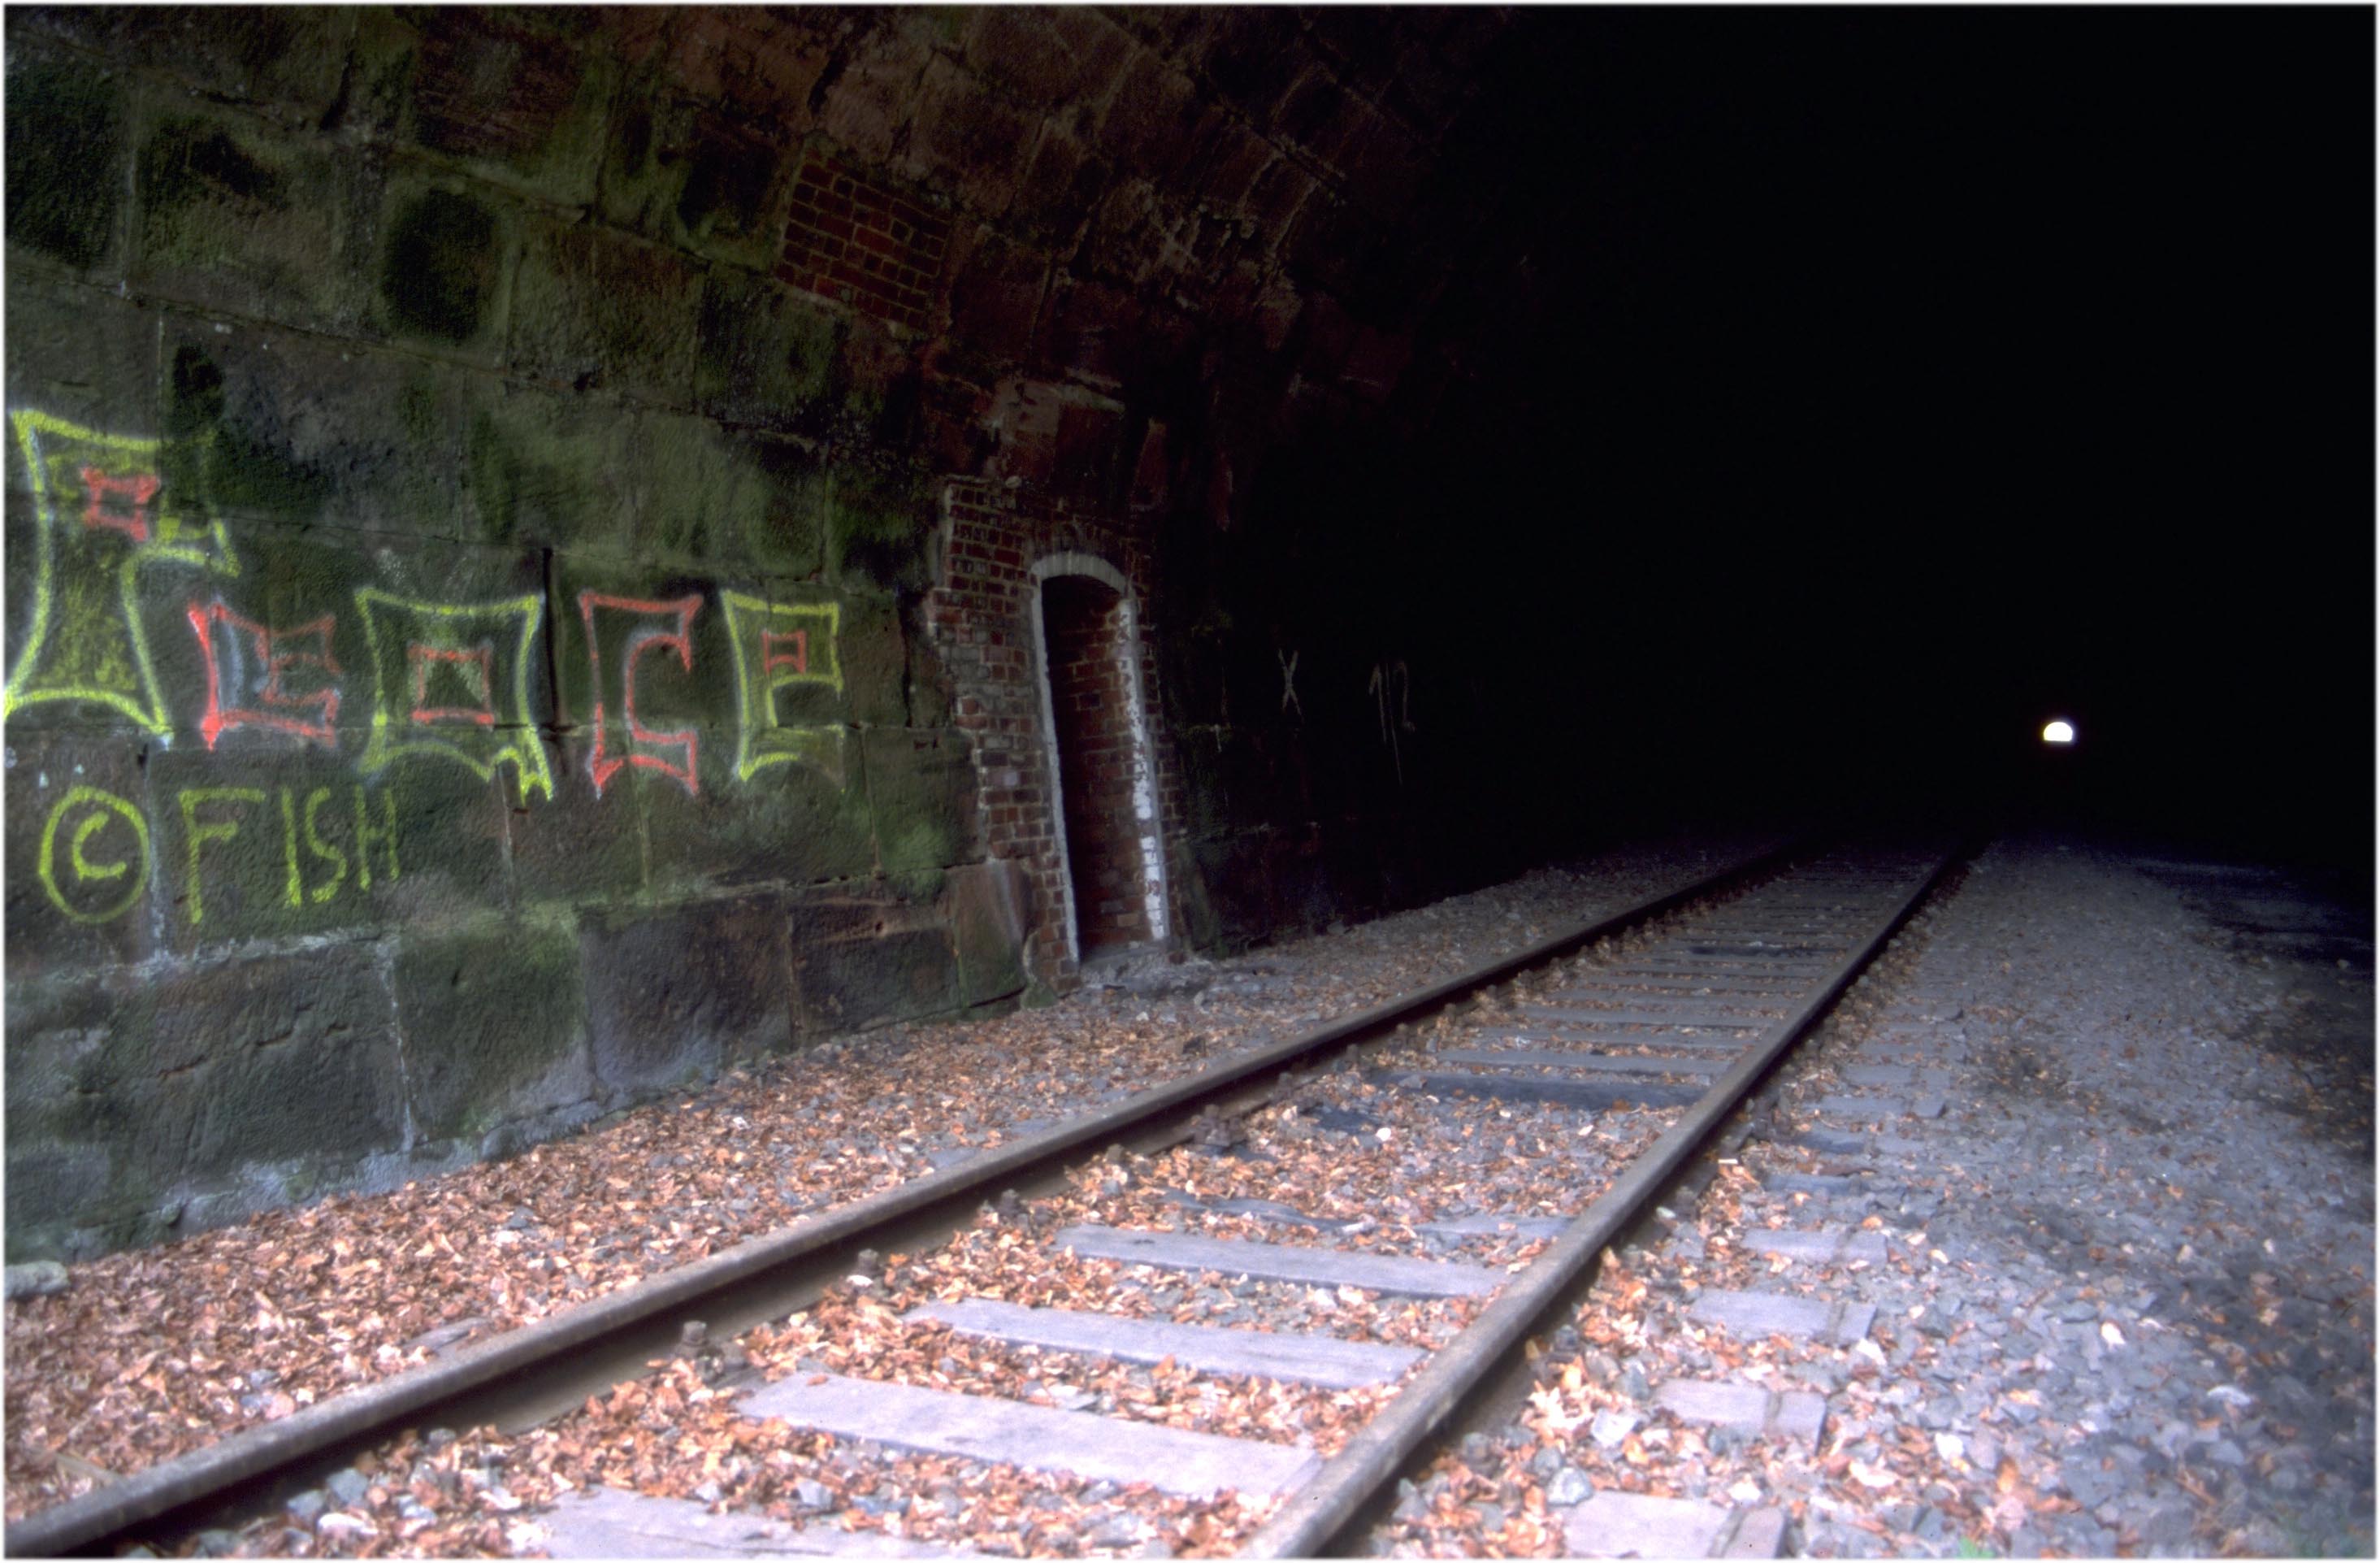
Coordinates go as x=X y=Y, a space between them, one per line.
x=455 y=615
x=475 y=517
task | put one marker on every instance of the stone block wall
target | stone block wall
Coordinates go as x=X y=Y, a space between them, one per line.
x=523 y=529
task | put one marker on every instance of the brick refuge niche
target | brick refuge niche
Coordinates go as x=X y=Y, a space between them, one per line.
x=1107 y=803
x=1042 y=614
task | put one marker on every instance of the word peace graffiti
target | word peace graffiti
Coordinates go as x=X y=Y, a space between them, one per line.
x=90 y=884
x=450 y=682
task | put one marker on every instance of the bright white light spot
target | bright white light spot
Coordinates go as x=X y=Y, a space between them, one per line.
x=2060 y=731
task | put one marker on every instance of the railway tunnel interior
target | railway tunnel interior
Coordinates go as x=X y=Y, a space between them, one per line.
x=538 y=540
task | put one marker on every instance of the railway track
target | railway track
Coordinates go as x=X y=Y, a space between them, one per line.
x=1325 y=1229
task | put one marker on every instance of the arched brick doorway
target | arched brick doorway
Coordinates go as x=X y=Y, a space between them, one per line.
x=1098 y=736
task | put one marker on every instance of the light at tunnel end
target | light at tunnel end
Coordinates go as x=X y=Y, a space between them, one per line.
x=2059 y=731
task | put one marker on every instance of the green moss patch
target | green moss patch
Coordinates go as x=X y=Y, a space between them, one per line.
x=493 y=1022
x=442 y=266
x=65 y=147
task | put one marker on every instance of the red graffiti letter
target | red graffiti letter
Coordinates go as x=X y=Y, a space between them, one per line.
x=643 y=741
x=313 y=717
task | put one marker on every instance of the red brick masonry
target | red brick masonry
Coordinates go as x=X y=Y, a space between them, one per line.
x=982 y=615
x=858 y=241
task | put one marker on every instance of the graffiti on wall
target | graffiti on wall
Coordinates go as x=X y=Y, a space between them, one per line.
x=449 y=683
x=233 y=651
x=670 y=751
x=219 y=815
x=1391 y=690
x=96 y=855
x=97 y=886
x=452 y=679
x=778 y=646
x=102 y=524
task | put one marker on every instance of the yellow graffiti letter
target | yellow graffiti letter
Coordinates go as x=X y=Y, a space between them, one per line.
x=365 y=833
x=197 y=835
x=109 y=809
x=101 y=512
x=330 y=854
x=453 y=679
x=777 y=646
x=295 y=892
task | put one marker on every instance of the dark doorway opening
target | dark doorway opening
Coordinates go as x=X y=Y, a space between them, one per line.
x=1107 y=805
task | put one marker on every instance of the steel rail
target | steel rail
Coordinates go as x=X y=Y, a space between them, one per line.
x=1320 y=1513
x=552 y=1362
